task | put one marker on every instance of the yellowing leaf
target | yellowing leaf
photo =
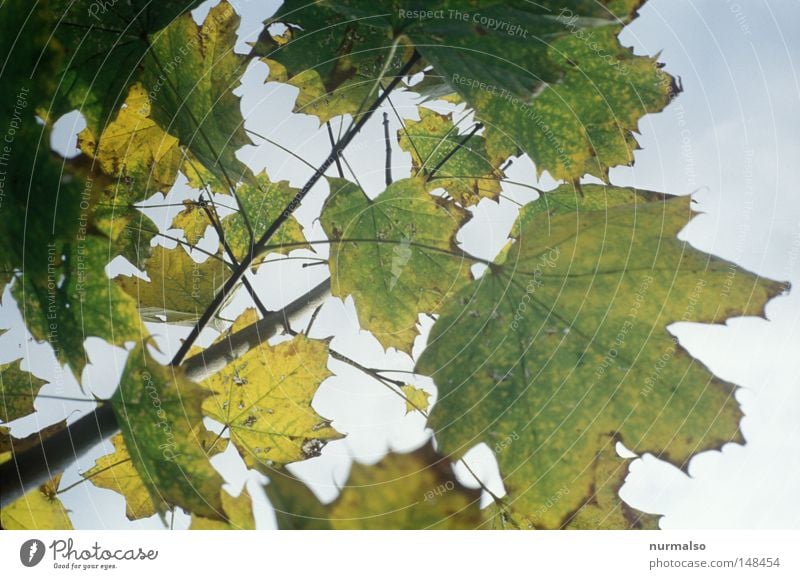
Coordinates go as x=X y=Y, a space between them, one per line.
x=116 y=472
x=263 y=202
x=238 y=512
x=159 y=414
x=468 y=175
x=18 y=389
x=603 y=508
x=565 y=341
x=396 y=255
x=264 y=398
x=416 y=398
x=133 y=146
x=40 y=509
x=585 y=122
x=179 y=288
x=193 y=221
x=403 y=491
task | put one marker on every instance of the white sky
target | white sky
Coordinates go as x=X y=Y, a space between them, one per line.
x=732 y=137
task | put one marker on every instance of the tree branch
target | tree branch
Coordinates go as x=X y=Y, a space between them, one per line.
x=29 y=469
x=33 y=467
x=217 y=356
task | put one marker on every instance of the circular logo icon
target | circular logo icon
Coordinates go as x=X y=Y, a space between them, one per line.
x=32 y=552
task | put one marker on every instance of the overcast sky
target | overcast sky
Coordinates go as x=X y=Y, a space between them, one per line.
x=731 y=139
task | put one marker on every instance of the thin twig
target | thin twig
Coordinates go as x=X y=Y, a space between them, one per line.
x=212 y=217
x=461 y=254
x=403 y=126
x=388 y=149
x=312 y=320
x=442 y=140
x=455 y=149
x=259 y=247
x=333 y=144
x=282 y=148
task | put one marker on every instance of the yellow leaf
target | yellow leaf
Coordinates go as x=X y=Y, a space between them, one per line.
x=238 y=510
x=179 y=289
x=193 y=221
x=40 y=509
x=416 y=398
x=116 y=472
x=246 y=318
x=134 y=146
x=264 y=398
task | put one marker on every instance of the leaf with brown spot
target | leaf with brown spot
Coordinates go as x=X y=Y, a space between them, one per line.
x=264 y=399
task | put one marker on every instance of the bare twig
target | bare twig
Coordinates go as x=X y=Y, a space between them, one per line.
x=460 y=144
x=258 y=247
x=388 y=149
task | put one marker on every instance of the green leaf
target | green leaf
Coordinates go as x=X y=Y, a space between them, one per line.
x=403 y=491
x=238 y=512
x=468 y=175
x=264 y=399
x=263 y=202
x=40 y=205
x=40 y=509
x=116 y=472
x=585 y=123
x=18 y=390
x=603 y=509
x=179 y=289
x=159 y=413
x=550 y=77
x=296 y=506
x=76 y=301
x=190 y=73
x=565 y=340
x=130 y=231
x=332 y=60
x=396 y=255
x=105 y=43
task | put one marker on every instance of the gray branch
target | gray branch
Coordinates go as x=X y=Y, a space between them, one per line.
x=31 y=468
x=217 y=356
